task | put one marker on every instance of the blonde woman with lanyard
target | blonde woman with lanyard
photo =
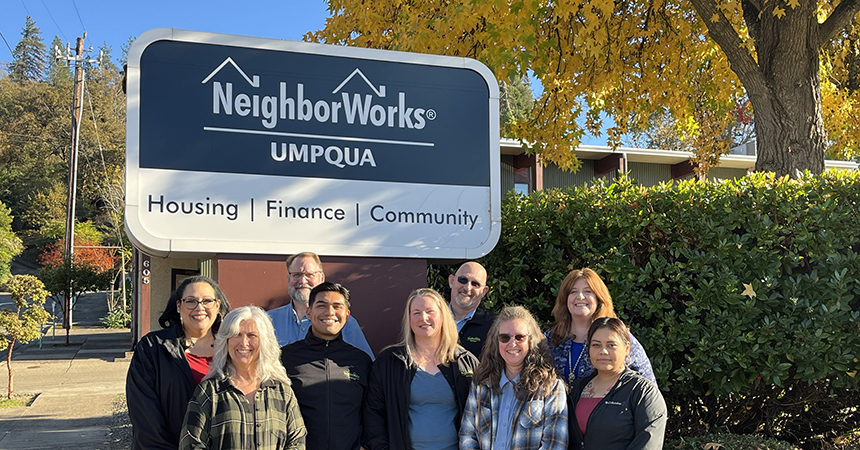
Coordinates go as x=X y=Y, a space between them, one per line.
x=614 y=408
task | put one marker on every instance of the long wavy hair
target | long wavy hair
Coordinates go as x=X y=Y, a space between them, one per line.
x=269 y=365
x=538 y=374
x=560 y=329
x=171 y=316
x=448 y=328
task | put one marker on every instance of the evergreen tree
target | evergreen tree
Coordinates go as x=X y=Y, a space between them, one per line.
x=58 y=72
x=28 y=57
x=516 y=101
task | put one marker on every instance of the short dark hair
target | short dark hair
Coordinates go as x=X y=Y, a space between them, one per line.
x=171 y=316
x=328 y=286
x=613 y=324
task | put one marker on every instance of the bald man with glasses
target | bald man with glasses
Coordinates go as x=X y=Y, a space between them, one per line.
x=468 y=287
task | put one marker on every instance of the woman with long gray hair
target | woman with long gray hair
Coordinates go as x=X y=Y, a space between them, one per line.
x=245 y=401
x=516 y=402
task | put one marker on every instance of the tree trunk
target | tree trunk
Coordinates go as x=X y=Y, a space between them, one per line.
x=9 y=366
x=781 y=76
x=790 y=133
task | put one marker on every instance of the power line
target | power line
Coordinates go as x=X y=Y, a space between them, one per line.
x=83 y=27
x=7 y=44
x=54 y=20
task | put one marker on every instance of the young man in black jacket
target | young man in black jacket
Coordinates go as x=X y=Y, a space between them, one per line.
x=329 y=376
x=468 y=287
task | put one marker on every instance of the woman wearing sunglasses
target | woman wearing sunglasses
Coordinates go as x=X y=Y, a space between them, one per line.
x=614 y=408
x=169 y=363
x=418 y=388
x=516 y=401
x=582 y=299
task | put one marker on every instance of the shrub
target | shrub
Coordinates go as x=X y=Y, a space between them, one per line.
x=116 y=319
x=727 y=442
x=744 y=293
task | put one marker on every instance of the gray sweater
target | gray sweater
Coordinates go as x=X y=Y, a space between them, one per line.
x=632 y=416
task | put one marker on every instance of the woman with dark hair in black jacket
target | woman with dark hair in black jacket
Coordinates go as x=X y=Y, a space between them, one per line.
x=614 y=408
x=169 y=363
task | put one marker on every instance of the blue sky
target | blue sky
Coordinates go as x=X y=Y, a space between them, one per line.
x=113 y=22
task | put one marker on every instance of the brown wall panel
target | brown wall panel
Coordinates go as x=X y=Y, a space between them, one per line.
x=378 y=287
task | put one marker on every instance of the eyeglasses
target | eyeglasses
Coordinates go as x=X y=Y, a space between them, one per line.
x=308 y=275
x=504 y=338
x=463 y=280
x=191 y=302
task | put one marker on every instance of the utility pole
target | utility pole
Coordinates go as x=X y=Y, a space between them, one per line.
x=77 y=100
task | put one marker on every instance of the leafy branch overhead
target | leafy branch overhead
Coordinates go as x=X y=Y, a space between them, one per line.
x=627 y=60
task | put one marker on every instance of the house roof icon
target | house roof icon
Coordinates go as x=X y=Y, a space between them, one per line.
x=379 y=92
x=254 y=83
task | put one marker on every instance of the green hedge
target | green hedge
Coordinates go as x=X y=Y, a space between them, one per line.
x=727 y=442
x=744 y=293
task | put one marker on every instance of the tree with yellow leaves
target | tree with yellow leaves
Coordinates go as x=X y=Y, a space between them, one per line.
x=630 y=58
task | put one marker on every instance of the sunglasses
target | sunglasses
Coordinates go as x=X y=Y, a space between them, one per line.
x=463 y=280
x=504 y=338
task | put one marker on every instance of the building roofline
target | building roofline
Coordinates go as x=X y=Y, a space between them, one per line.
x=656 y=156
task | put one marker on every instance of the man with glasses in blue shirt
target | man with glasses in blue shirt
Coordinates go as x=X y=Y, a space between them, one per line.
x=290 y=321
x=468 y=287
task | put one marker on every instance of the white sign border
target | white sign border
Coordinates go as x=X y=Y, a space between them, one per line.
x=157 y=246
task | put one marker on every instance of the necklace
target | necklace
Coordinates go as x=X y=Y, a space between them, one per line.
x=571 y=374
x=191 y=343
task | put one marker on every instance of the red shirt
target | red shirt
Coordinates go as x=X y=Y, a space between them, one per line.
x=199 y=366
x=584 y=407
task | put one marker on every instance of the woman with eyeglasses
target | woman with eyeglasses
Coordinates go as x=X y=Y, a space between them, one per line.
x=516 y=401
x=614 y=408
x=583 y=298
x=418 y=388
x=169 y=363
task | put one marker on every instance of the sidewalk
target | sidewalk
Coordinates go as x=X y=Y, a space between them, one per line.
x=77 y=384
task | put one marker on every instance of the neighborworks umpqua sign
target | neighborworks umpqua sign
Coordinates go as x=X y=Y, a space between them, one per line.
x=249 y=145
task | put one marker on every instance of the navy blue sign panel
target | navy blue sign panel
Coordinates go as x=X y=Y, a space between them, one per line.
x=248 y=145
x=219 y=108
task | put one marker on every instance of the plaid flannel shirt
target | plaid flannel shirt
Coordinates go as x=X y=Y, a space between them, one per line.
x=220 y=417
x=540 y=423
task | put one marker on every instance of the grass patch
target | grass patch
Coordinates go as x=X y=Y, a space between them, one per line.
x=18 y=401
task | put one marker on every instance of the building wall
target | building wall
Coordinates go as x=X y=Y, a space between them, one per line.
x=724 y=173
x=507 y=174
x=649 y=174
x=162 y=276
x=553 y=177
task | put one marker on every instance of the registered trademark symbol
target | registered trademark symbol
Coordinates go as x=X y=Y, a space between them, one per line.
x=431 y=114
